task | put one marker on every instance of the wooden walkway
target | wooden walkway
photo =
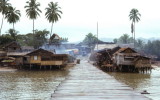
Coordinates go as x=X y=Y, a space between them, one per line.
x=86 y=82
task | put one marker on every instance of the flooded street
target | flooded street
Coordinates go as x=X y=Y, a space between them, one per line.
x=24 y=85
x=140 y=82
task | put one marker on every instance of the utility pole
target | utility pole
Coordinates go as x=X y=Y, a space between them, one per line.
x=97 y=35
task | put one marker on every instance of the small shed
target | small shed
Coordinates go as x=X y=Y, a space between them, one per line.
x=12 y=47
x=142 y=61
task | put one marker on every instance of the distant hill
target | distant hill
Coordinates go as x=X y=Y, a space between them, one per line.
x=106 y=39
x=146 y=40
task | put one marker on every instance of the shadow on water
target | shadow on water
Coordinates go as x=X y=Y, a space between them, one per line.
x=134 y=80
x=29 y=84
x=140 y=82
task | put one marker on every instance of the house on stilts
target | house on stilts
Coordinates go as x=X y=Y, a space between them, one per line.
x=44 y=59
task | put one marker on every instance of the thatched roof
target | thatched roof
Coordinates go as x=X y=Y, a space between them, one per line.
x=142 y=61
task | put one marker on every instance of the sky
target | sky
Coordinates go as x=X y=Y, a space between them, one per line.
x=80 y=17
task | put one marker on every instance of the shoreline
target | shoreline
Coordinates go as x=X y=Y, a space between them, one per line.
x=7 y=69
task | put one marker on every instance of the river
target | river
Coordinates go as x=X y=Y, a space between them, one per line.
x=39 y=85
x=29 y=85
x=140 y=82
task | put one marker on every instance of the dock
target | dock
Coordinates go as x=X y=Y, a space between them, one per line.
x=87 y=82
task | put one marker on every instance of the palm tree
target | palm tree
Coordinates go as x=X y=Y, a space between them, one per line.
x=32 y=10
x=3 y=9
x=12 y=15
x=53 y=13
x=135 y=17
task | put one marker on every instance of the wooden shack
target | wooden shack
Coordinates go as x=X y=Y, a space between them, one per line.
x=124 y=58
x=143 y=64
x=12 y=47
x=44 y=58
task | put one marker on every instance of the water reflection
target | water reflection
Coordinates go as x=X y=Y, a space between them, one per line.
x=140 y=82
x=29 y=84
x=134 y=80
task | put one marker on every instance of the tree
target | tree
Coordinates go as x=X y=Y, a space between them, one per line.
x=3 y=9
x=90 y=40
x=53 y=14
x=140 y=44
x=135 y=17
x=12 y=15
x=124 y=38
x=32 y=10
x=4 y=39
x=13 y=34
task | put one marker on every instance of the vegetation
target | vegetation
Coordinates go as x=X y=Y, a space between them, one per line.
x=3 y=9
x=149 y=48
x=134 y=17
x=12 y=15
x=32 y=10
x=53 y=14
x=90 y=40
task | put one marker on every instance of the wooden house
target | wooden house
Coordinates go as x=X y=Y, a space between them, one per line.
x=12 y=47
x=45 y=58
x=3 y=54
x=125 y=56
x=143 y=63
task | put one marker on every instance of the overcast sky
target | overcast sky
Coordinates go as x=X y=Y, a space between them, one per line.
x=80 y=18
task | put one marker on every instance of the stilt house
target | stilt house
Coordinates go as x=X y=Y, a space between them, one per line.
x=125 y=56
x=43 y=57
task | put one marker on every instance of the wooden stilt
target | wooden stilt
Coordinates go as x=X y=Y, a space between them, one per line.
x=50 y=67
x=30 y=66
x=40 y=67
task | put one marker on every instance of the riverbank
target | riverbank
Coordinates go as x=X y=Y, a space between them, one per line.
x=7 y=69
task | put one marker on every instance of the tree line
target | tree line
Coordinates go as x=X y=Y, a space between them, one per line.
x=150 y=48
x=36 y=40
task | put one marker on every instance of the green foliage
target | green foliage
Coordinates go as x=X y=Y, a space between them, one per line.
x=153 y=47
x=124 y=39
x=3 y=9
x=90 y=40
x=13 y=33
x=36 y=40
x=12 y=15
x=53 y=13
x=32 y=9
x=64 y=39
x=134 y=15
x=5 y=39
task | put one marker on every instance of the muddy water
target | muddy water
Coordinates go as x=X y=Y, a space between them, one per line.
x=29 y=85
x=140 y=82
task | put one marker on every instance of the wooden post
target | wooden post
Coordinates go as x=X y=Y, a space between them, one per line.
x=30 y=66
x=40 y=67
x=50 y=67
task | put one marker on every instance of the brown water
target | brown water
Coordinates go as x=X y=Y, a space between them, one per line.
x=29 y=85
x=40 y=85
x=140 y=82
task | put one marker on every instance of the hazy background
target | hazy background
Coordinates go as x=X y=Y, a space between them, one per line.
x=80 y=17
